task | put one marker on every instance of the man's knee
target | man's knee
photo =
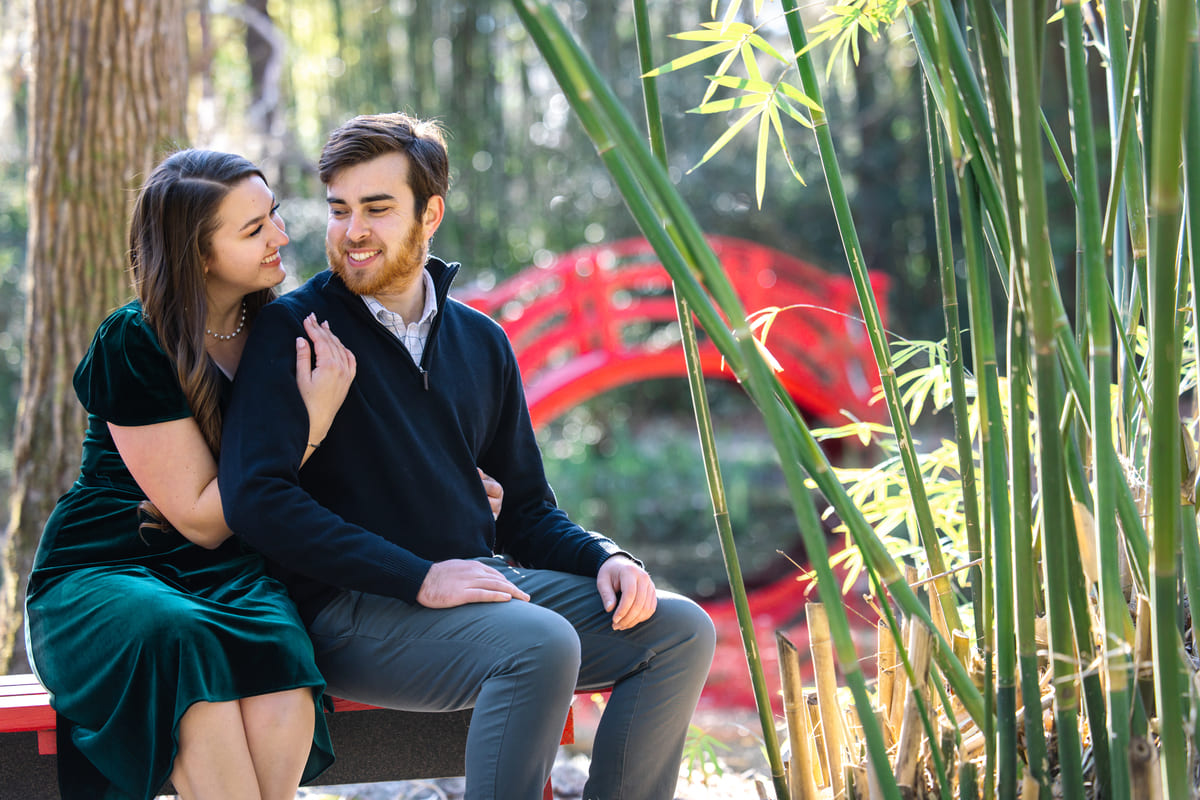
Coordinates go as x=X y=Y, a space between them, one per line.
x=690 y=623
x=552 y=642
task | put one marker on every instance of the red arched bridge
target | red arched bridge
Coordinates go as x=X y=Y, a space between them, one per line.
x=601 y=317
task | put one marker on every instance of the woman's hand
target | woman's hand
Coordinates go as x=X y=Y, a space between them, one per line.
x=495 y=492
x=324 y=386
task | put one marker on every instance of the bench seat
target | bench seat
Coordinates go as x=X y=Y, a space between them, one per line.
x=372 y=744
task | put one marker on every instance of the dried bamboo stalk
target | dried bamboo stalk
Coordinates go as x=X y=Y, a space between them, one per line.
x=1144 y=776
x=852 y=725
x=873 y=790
x=962 y=647
x=826 y=676
x=885 y=675
x=899 y=687
x=820 y=766
x=912 y=733
x=801 y=785
x=935 y=610
x=949 y=745
x=973 y=746
x=1143 y=645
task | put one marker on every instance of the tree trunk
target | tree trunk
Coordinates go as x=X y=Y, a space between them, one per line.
x=108 y=98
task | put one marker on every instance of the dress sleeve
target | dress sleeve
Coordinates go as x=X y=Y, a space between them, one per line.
x=126 y=378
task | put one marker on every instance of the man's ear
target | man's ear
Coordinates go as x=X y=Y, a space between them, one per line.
x=431 y=218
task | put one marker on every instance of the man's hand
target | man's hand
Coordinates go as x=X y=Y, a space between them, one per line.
x=494 y=491
x=638 y=597
x=458 y=582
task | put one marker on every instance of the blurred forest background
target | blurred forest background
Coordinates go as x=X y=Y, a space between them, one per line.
x=269 y=79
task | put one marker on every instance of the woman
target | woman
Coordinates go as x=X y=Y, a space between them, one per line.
x=168 y=651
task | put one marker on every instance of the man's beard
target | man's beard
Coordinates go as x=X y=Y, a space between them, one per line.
x=397 y=272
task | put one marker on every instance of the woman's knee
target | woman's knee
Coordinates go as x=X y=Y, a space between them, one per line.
x=278 y=709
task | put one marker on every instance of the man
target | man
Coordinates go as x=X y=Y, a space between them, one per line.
x=386 y=538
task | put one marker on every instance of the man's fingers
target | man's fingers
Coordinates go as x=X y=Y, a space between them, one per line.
x=458 y=582
x=500 y=585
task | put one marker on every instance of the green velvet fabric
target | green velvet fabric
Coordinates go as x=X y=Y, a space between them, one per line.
x=127 y=629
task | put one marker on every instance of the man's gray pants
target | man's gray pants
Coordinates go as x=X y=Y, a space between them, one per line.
x=518 y=664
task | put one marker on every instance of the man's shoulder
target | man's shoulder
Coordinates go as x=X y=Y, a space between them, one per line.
x=474 y=320
x=314 y=294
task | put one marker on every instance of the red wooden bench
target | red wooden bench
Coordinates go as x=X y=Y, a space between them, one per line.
x=372 y=744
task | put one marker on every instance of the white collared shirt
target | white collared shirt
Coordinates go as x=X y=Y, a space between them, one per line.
x=413 y=334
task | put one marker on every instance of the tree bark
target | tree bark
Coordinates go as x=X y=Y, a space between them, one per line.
x=108 y=98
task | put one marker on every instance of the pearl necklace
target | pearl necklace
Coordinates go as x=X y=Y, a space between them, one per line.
x=225 y=337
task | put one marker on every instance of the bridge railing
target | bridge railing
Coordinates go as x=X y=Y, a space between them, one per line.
x=601 y=317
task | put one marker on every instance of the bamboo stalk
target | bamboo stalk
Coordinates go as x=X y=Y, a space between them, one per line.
x=825 y=671
x=867 y=305
x=1143 y=653
x=1175 y=26
x=1114 y=612
x=821 y=762
x=962 y=426
x=899 y=689
x=949 y=747
x=885 y=674
x=1026 y=74
x=912 y=733
x=716 y=485
x=935 y=610
x=801 y=785
x=962 y=646
x=681 y=246
x=968 y=786
x=1145 y=777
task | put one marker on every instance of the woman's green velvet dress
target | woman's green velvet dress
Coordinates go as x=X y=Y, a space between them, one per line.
x=128 y=628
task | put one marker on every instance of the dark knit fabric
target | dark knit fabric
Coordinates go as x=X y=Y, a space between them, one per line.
x=393 y=487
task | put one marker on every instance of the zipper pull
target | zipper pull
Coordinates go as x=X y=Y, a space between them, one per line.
x=425 y=376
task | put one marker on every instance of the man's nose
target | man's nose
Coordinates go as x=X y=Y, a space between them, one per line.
x=359 y=228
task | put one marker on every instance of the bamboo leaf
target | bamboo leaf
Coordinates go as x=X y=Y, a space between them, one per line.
x=721 y=70
x=777 y=124
x=764 y=46
x=726 y=137
x=730 y=13
x=688 y=60
x=750 y=62
x=760 y=166
x=786 y=106
x=799 y=96
x=746 y=84
x=729 y=104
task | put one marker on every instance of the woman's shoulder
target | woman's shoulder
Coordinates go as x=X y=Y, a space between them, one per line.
x=125 y=324
x=126 y=377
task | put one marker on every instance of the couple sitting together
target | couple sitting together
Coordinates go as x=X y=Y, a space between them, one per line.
x=282 y=496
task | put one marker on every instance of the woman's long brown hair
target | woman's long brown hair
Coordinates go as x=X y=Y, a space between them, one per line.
x=170 y=238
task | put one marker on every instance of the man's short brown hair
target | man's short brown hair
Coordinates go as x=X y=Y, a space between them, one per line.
x=369 y=136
